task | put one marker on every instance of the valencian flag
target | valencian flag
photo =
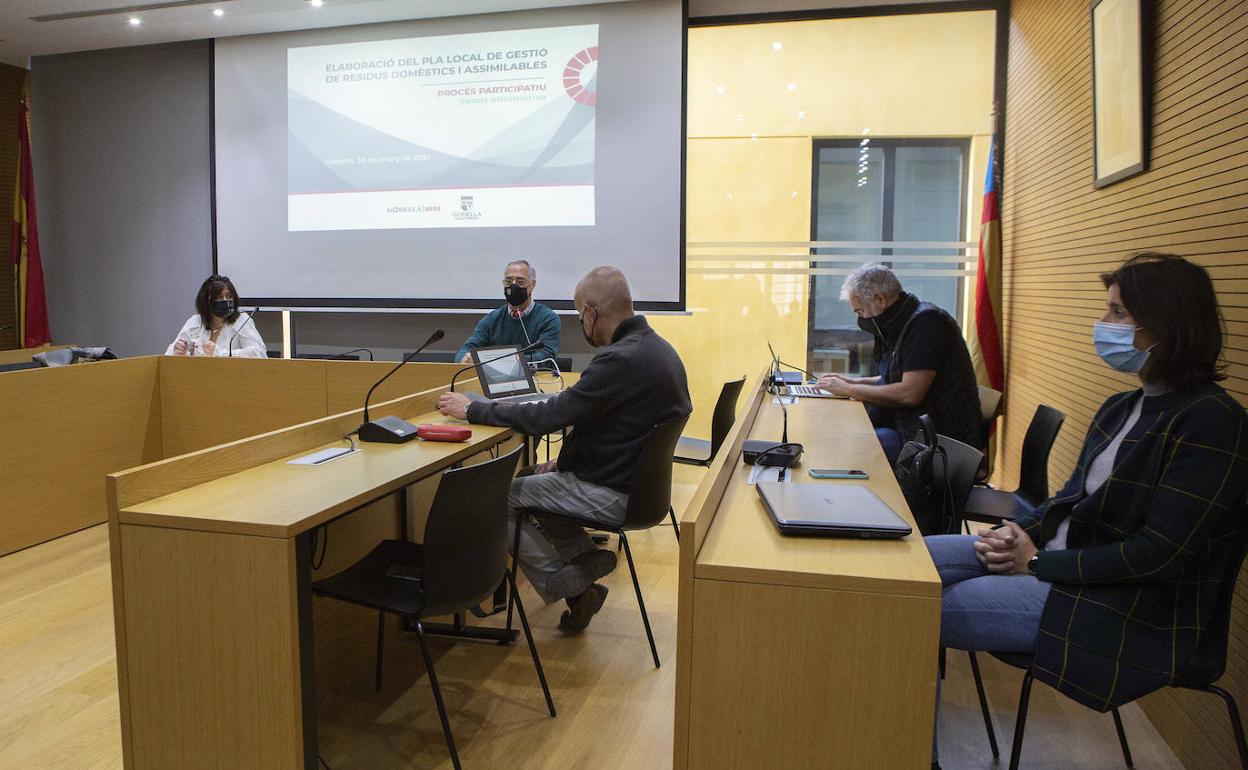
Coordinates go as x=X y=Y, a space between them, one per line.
x=989 y=364
x=32 y=307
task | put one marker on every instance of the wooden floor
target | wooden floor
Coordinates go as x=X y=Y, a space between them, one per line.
x=58 y=693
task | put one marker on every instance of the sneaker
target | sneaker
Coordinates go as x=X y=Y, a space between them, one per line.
x=578 y=575
x=583 y=609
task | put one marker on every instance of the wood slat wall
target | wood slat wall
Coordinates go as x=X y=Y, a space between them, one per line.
x=11 y=79
x=1060 y=233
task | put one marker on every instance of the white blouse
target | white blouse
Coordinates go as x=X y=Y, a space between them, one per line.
x=247 y=342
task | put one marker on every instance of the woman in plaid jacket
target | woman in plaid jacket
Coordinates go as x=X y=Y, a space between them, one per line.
x=1110 y=582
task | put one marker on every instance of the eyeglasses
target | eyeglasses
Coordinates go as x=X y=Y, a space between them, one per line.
x=521 y=282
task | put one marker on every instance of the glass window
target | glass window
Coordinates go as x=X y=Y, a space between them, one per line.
x=871 y=193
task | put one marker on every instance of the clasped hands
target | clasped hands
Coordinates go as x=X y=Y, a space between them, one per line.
x=1005 y=550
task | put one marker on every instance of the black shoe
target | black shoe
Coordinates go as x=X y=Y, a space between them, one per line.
x=575 y=578
x=583 y=609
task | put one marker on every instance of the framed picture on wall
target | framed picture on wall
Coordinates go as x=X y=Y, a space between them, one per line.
x=1121 y=86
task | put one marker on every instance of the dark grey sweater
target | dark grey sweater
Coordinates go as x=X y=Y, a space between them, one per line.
x=635 y=383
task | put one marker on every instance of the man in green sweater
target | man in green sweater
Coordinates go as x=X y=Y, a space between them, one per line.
x=520 y=322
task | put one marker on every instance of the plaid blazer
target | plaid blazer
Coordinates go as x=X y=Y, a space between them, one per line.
x=1137 y=582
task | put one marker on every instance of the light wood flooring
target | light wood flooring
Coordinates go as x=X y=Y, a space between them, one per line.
x=58 y=693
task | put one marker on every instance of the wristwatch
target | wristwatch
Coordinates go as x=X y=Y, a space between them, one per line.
x=1031 y=564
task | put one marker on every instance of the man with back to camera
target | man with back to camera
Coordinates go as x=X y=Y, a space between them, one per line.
x=520 y=322
x=924 y=364
x=636 y=382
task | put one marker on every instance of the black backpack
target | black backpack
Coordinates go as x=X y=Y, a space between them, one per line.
x=922 y=472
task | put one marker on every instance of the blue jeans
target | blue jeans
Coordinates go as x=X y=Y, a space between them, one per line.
x=980 y=610
x=891 y=441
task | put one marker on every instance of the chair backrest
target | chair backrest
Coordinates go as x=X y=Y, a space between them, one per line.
x=963 y=465
x=1033 y=474
x=989 y=410
x=651 y=492
x=466 y=534
x=725 y=413
x=1208 y=663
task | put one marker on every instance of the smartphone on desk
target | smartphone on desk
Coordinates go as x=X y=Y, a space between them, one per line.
x=838 y=473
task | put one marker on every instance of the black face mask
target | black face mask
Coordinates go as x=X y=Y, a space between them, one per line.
x=589 y=335
x=516 y=295
x=868 y=325
x=223 y=308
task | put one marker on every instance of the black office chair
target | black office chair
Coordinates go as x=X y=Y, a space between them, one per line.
x=993 y=505
x=462 y=560
x=696 y=451
x=964 y=463
x=648 y=504
x=989 y=411
x=1200 y=671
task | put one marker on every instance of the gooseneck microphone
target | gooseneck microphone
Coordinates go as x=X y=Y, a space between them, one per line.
x=526 y=349
x=344 y=356
x=392 y=430
x=250 y=317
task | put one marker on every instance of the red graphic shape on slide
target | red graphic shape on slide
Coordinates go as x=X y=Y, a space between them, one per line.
x=572 y=72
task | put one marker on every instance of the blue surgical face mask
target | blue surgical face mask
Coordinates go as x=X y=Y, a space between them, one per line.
x=1115 y=344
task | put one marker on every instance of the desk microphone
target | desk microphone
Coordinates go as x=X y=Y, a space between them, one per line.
x=526 y=349
x=343 y=356
x=769 y=453
x=250 y=317
x=392 y=430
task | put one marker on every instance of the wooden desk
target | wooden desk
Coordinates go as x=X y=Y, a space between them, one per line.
x=211 y=556
x=63 y=428
x=802 y=652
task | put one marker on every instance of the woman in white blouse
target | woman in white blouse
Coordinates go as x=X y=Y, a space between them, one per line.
x=218 y=328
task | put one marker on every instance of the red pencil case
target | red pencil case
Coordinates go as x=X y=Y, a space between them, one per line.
x=441 y=432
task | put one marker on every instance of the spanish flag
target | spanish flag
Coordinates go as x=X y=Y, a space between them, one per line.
x=989 y=362
x=32 y=307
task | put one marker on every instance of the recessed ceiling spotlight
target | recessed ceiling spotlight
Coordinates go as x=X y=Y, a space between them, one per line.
x=720 y=90
x=218 y=12
x=777 y=45
x=792 y=86
x=135 y=21
x=316 y=3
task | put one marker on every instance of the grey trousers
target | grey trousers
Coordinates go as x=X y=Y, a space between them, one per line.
x=545 y=551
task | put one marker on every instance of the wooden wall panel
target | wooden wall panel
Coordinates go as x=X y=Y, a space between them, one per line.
x=211 y=401
x=63 y=430
x=1060 y=233
x=11 y=79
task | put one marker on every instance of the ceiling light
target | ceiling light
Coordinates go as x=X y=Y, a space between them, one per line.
x=801 y=114
x=777 y=45
x=792 y=86
x=135 y=21
x=218 y=12
x=316 y=3
x=720 y=90
x=866 y=131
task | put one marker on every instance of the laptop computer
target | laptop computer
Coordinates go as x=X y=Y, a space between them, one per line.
x=830 y=510
x=505 y=377
x=808 y=391
x=777 y=374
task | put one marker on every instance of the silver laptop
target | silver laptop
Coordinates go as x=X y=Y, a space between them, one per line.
x=505 y=377
x=830 y=510
x=809 y=391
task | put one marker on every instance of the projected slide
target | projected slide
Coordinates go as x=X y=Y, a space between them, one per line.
x=492 y=129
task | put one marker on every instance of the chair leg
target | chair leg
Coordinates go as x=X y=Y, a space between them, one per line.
x=1122 y=739
x=628 y=553
x=381 y=630
x=515 y=568
x=537 y=662
x=1233 y=712
x=1020 y=723
x=437 y=692
x=983 y=704
x=671 y=512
